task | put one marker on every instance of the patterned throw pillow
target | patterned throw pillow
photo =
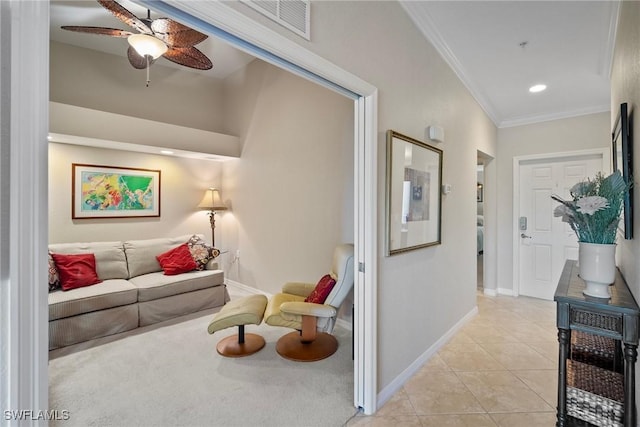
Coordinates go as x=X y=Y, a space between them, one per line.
x=322 y=290
x=76 y=270
x=201 y=251
x=54 y=277
x=177 y=260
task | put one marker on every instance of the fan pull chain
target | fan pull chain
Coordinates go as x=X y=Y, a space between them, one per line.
x=148 y=80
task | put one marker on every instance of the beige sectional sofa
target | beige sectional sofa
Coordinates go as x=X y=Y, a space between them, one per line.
x=134 y=291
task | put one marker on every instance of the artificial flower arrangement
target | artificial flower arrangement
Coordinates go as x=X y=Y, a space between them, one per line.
x=595 y=208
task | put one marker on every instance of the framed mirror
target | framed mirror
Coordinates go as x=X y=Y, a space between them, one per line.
x=622 y=155
x=413 y=197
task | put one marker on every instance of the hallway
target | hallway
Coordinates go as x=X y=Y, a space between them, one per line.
x=499 y=370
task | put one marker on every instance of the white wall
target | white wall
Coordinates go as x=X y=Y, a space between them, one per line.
x=423 y=293
x=183 y=183
x=573 y=134
x=625 y=87
x=292 y=188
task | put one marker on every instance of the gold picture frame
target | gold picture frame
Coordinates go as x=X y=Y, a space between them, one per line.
x=413 y=196
x=114 y=192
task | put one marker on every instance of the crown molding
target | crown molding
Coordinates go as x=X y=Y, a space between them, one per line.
x=527 y=120
x=607 y=58
x=426 y=26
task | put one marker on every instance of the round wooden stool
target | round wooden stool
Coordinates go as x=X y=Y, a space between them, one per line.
x=239 y=312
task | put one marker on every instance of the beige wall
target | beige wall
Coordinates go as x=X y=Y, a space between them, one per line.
x=292 y=188
x=183 y=182
x=423 y=293
x=625 y=87
x=573 y=134
x=105 y=82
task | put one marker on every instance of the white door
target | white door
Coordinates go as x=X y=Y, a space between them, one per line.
x=545 y=241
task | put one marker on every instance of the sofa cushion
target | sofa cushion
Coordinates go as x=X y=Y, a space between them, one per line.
x=177 y=260
x=111 y=262
x=157 y=285
x=141 y=254
x=110 y=293
x=76 y=270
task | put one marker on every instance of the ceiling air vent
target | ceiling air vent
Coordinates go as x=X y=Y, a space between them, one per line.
x=291 y=14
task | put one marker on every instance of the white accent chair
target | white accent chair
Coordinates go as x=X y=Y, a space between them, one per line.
x=314 y=322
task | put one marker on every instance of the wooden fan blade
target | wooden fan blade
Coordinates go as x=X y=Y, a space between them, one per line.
x=113 y=32
x=125 y=16
x=174 y=34
x=136 y=60
x=189 y=57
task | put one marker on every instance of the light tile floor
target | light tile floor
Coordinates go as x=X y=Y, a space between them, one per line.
x=500 y=369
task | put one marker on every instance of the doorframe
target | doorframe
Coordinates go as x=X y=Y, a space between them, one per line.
x=24 y=123
x=490 y=225
x=24 y=348
x=517 y=162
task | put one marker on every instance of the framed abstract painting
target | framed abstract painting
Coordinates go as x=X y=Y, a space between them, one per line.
x=114 y=192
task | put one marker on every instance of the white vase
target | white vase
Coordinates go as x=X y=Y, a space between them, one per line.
x=597 y=268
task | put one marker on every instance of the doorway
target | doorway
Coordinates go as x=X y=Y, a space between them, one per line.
x=27 y=338
x=486 y=223
x=480 y=223
x=542 y=242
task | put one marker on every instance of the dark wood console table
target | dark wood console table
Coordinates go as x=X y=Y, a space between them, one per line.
x=615 y=319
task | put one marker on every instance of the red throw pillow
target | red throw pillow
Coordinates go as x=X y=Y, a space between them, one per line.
x=177 y=260
x=322 y=290
x=76 y=270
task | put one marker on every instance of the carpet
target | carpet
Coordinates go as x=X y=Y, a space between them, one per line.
x=171 y=375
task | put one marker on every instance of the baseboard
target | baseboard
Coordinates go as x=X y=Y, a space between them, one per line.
x=395 y=385
x=344 y=324
x=490 y=292
x=244 y=288
x=499 y=291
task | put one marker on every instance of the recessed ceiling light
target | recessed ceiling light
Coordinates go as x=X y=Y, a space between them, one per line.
x=537 y=88
x=166 y=152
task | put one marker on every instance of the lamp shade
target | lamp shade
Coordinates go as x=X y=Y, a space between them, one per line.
x=147 y=45
x=212 y=201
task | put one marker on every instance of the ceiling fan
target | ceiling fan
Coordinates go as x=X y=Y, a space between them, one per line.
x=155 y=37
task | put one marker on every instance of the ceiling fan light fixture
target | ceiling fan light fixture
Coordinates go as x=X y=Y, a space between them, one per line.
x=145 y=45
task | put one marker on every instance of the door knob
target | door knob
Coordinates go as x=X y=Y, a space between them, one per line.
x=524 y=236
